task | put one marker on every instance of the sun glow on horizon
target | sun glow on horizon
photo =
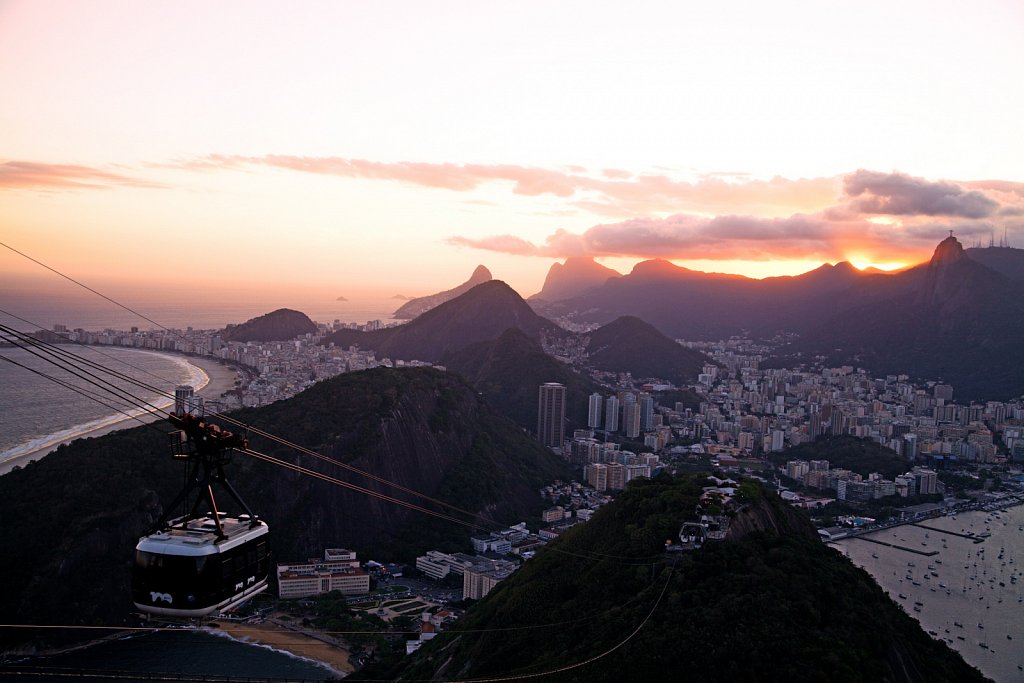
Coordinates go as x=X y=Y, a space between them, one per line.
x=887 y=267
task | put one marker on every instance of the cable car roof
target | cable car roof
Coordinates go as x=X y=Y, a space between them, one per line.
x=199 y=536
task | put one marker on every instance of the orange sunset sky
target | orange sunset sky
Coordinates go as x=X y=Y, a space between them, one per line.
x=372 y=148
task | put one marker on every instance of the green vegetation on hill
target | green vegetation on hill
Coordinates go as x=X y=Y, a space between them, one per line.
x=862 y=456
x=771 y=604
x=631 y=345
x=280 y=325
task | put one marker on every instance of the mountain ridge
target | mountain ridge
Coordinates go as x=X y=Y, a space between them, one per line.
x=572 y=278
x=420 y=305
x=481 y=314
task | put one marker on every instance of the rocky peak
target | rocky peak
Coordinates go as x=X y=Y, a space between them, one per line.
x=949 y=251
x=481 y=274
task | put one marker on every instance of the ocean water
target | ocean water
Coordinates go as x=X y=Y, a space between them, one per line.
x=186 y=652
x=79 y=309
x=37 y=413
x=970 y=595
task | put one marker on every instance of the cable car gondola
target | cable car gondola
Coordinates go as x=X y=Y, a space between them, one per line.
x=200 y=564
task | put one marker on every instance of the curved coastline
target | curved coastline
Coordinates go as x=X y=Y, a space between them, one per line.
x=287 y=642
x=209 y=376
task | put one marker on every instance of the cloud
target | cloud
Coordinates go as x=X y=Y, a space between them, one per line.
x=902 y=195
x=560 y=244
x=611 y=192
x=16 y=175
x=681 y=236
x=836 y=233
x=504 y=244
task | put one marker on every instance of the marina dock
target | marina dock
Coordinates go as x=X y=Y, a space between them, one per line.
x=926 y=553
x=971 y=537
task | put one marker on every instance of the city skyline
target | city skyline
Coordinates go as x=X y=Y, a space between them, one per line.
x=352 y=150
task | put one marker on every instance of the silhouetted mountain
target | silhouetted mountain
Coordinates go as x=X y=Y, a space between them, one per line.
x=481 y=314
x=575 y=276
x=420 y=428
x=951 y=319
x=508 y=372
x=1005 y=260
x=280 y=325
x=769 y=603
x=628 y=344
x=688 y=304
x=422 y=304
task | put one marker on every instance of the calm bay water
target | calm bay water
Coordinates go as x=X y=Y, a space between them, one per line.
x=969 y=595
x=183 y=653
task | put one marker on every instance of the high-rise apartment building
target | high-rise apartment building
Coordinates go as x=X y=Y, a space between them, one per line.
x=551 y=414
x=631 y=419
x=594 y=414
x=611 y=414
x=646 y=411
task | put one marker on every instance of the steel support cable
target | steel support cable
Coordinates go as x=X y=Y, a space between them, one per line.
x=359 y=489
x=91 y=347
x=72 y=358
x=243 y=425
x=637 y=561
x=79 y=362
x=133 y=311
x=202 y=629
x=302 y=449
x=319 y=456
x=79 y=390
x=569 y=667
x=84 y=286
x=98 y=382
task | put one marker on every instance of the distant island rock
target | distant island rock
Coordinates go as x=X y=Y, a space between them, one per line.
x=341 y=298
x=401 y=297
x=420 y=305
x=280 y=325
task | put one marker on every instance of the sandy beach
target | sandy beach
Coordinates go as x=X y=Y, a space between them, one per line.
x=297 y=643
x=220 y=378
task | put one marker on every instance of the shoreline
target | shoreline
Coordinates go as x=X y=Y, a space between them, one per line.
x=219 y=379
x=277 y=636
x=321 y=650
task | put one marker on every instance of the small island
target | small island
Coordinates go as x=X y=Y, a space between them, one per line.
x=341 y=298
x=401 y=297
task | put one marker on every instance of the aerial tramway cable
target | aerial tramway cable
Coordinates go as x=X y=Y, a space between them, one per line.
x=284 y=442
x=105 y=385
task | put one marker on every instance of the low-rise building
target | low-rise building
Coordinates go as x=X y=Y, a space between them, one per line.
x=478 y=580
x=338 y=571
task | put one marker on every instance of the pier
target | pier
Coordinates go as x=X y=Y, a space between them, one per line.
x=970 y=537
x=926 y=553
